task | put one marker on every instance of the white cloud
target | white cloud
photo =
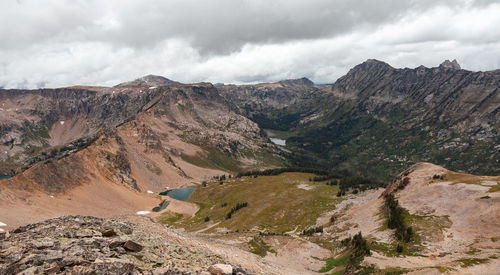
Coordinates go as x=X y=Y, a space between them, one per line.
x=55 y=43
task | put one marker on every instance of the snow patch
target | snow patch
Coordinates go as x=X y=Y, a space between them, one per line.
x=151 y=88
x=1 y=230
x=62 y=122
x=2 y=224
x=143 y=212
x=150 y=192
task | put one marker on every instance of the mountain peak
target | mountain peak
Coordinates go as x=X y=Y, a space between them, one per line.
x=447 y=64
x=370 y=65
x=149 y=80
x=304 y=81
x=375 y=61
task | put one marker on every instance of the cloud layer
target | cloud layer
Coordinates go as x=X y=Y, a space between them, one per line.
x=65 y=42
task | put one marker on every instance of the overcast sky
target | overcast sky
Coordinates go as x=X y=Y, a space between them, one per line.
x=55 y=43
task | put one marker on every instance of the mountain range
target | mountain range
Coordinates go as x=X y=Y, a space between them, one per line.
x=357 y=158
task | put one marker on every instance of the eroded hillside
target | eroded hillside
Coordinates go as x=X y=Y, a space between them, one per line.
x=183 y=135
x=38 y=125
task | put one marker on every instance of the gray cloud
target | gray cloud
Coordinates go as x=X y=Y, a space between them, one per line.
x=52 y=43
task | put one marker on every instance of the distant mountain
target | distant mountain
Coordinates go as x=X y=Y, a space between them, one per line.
x=149 y=80
x=279 y=94
x=377 y=120
x=299 y=82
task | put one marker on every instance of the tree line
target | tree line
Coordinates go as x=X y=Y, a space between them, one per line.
x=278 y=171
x=235 y=208
x=355 y=183
x=396 y=219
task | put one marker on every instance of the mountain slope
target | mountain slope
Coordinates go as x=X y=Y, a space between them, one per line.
x=377 y=120
x=454 y=217
x=34 y=124
x=33 y=121
x=185 y=134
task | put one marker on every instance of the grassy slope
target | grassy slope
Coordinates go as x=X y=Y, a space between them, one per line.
x=275 y=203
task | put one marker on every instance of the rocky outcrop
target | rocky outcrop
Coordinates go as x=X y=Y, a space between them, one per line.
x=89 y=245
x=450 y=64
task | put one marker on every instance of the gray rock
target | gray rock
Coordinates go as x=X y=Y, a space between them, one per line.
x=132 y=246
x=220 y=269
x=108 y=233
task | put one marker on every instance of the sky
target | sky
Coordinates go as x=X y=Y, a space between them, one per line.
x=55 y=43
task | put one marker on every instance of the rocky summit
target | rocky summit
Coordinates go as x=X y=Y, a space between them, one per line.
x=89 y=245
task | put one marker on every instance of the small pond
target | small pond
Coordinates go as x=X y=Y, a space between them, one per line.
x=181 y=194
x=2 y=177
x=278 y=141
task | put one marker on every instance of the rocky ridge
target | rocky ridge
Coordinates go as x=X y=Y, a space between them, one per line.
x=86 y=245
x=39 y=125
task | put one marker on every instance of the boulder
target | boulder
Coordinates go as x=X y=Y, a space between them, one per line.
x=132 y=246
x=108 y=233
x=220 y=269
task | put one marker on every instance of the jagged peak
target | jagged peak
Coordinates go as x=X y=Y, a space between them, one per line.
x=304 y=81
x=447 y=64
x=149 y=80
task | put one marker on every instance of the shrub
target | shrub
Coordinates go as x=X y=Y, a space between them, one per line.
x=311 y=231
x=359 y=247
x=404 y=183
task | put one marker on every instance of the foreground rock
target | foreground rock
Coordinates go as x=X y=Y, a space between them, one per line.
x=220 y=269
x=85 y=245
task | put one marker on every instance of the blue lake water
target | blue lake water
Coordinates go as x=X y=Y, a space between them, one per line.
x=278 y=141
x=181 y=194
x=2 y=177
